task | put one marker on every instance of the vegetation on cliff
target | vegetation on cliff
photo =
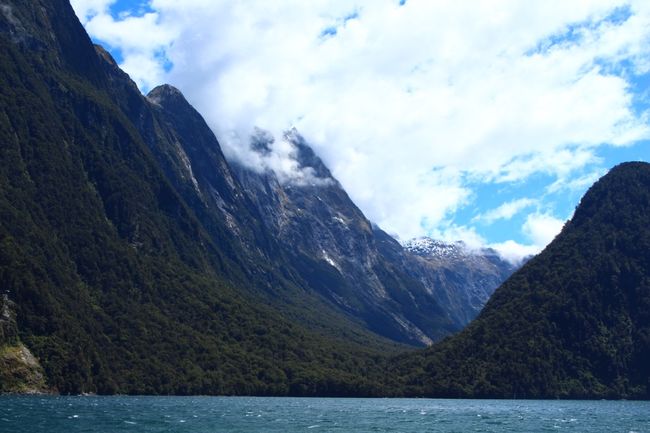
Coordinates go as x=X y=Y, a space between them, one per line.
x=574 y=322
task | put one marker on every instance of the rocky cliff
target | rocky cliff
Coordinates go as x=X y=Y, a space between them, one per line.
x=461 y=278
x=396 y=291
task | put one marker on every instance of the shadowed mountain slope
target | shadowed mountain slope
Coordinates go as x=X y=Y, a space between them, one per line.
x=135 y=259
x=355 y=265
x=117 y=273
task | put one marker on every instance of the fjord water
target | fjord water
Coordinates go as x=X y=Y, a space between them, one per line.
x=36 y=414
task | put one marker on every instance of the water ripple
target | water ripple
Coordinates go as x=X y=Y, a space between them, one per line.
x=35 y=414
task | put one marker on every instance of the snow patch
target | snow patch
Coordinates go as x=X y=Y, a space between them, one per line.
x=428 y=247
x=188 y=166
x=329 y=260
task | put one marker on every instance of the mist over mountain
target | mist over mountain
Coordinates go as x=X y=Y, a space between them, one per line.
x=136 y=259
x=122 y=266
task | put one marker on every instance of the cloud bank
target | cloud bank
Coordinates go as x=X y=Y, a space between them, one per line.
x=411 y=104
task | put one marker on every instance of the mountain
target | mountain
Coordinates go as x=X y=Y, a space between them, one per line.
x=367 y=274
x=284 y=229
x=461 y=279
x=122 y=266
x=333 y=246
x=573 y=322
x=134 y=258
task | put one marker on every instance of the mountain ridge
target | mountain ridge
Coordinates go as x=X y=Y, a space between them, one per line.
x=573 y=322
x=112 y=267
x=369 y=274
x=470 y=275
x=136 y=259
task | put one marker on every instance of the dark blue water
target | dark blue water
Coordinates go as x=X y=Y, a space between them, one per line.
x=228 y=414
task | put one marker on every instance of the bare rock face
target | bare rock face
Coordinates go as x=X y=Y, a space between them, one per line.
x=20 y=371
x=462 y=279
x=402 y=293
x=8 y=328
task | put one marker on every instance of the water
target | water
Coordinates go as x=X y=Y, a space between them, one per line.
x=36 y=414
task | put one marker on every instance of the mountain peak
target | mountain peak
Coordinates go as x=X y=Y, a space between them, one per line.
x=305 y=155
x=166 y=94
x=301 y=166
x=261 y=141
x=427 y=247
x=628 y=166
x=574 y=321
x=622 y=186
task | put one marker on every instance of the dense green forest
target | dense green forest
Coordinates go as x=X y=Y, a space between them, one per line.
x=572 y=323
x=115 y=283
x=116 y=274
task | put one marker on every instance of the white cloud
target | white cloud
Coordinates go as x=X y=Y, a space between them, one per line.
x=278 y=154
x=141 y=39
x=539 y=228
x=505 y=211
x=515 y=252
x=406 y=104
x=580 y=183
x=85 y=9
x=542 y=228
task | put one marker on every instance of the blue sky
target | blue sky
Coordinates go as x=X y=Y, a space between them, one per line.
x=458 y=120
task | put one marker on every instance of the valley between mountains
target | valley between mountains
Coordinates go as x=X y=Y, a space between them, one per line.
x=136 y=259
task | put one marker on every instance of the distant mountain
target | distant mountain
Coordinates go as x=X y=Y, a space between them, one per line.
x=364 y=272
x=462 y=279
x=436 y=249
x=573 y=322
x=134 y=258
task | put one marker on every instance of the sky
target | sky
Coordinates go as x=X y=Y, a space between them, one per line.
x=482 y=121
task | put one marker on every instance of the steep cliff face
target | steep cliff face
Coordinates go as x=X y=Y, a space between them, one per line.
x=417 y=298
x=190 y=158
x=273 y=230
x=460 y=278
x=331 y=245
x=124 y=277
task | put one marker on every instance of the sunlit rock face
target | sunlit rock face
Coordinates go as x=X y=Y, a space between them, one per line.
x=405 y=293
x=461 y=278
